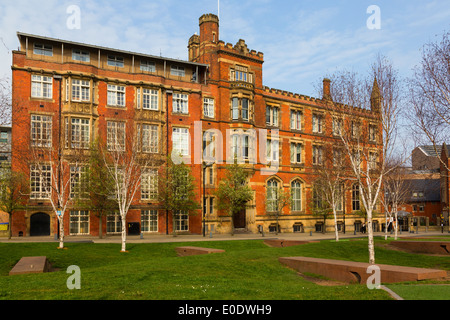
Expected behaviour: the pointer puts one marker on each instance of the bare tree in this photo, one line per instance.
(366, 109)
(5, 101)
(126, 165)
(429, 95)
(277, 198)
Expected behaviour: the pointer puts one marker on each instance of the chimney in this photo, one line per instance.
(326, 89)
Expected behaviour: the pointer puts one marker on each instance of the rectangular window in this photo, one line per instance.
(296, 120)
(317, 154)
(43, 49)
(40, 181)
(208, 107)
(148, 66)
(149, 220)
(116, 96)
(149, 185)
(79, 222)
(79, 182)
(373, 160)
(180, 140)
(149, 99)
(372, 133)
(272, 150)
(317, 123)
(272, 116)
(181, 221)
(80, 90)
(149, 138)
(80, 55)
(296, 153)
(41, 131)
(337, 126)
(113, 223)
(80, 133)
(244, 109)
(180, 103)
(41, 86)
(115, 61)
(177, 71)
(115, 139)
(235, 108)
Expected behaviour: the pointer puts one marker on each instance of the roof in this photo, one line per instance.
(22, 34)
(431, 150)
(424, 190)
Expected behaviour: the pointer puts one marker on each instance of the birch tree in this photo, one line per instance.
(126, 163)
(368, 110)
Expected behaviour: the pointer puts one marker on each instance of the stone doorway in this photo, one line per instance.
(239, 219)
(40, 224)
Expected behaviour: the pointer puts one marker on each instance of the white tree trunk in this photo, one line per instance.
(124, 234)
(370, 238)
(61, 231)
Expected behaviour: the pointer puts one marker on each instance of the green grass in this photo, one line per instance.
(248, 269)
(422, 292)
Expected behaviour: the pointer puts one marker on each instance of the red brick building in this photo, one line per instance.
(66, 94)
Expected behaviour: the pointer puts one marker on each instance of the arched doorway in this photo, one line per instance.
(40, 224)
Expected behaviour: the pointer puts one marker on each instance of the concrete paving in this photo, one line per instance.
(161, 238)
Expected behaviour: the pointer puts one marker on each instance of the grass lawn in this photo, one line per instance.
(248, 269)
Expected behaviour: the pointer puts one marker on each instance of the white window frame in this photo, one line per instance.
(272, 113)
(78, 182)
(317, 123)
(81, 90)
(296, 152)
(296, 195)
(147, 66)
(181, 221)
(149, 185)
(272, 150)
(296, 119)
(80, 131)
(208, 107)
(41, 130)
(150, 99)
(40, 181)
(116, 95)
(148, 138)
(180, 141)
(116, 134)
(317, 154)
(41, 86)
(180, 103)
(113, 223)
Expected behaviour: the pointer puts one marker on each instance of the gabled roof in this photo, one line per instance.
(426, 190)
(431, 150)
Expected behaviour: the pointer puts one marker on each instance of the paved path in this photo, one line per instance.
(158, 238)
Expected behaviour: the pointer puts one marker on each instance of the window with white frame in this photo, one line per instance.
(242, 146)
(372, 133)
(79, 182)
(79, 222)
(80, 55)
(244, 108)
(40, 181)
(272, 150)
(337, 126)
(373, 160)
(150, 99)
(209, 145)
(149, 220)
(317, 123)
(43, 49)
(180, 141)
(240, 109)
(272, 116)
(296, 195)
(235, 108)
(148, 138)
(80, 133)
(239, 73)
(115, 137)
(116, 96)
(338, 156)
(149, 184)
(177, 71)
(41, 86)
(180, 103)
(115, 61)
(296, 152)
(147, 66)
(355, 198)
(296, 119)
(181, 220)
(80, 90)
(208, 107)
(317, 154)
(41, 130)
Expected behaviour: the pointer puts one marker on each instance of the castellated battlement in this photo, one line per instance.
(240, 48)
(208, 17)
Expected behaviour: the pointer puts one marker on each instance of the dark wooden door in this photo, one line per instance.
(239, 219)
(40, 224)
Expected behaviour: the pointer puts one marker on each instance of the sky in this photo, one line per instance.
(303, 41)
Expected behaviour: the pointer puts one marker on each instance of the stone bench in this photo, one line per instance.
(31, 265)
(356, 272)
(191, 251)
(280, 243)
(434, 247)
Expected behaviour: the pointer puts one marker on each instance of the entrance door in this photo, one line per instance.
(40, 224)
(239, 219)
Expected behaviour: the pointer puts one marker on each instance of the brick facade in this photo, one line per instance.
(231, 76)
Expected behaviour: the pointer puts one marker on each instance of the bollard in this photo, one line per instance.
(310, 233)
(210, 234)
(142, 235)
